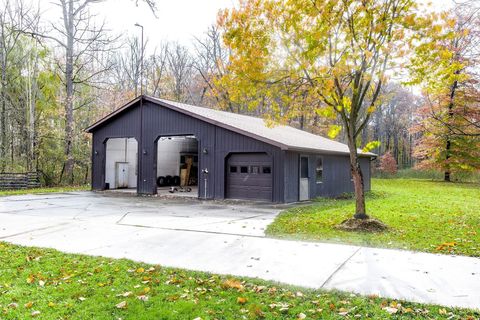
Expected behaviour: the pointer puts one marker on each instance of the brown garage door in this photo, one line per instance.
(249, 176)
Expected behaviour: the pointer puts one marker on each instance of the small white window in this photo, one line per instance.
(319, 170)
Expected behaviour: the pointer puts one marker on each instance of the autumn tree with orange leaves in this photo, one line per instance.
(446, 65)
(332, 56)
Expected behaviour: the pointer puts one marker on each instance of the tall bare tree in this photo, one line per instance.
(156, 71)
(180, 68)
(82, 42)
(211, 62)
(14, 17)
(127, 65)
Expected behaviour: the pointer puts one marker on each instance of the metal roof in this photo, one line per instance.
(285, 137)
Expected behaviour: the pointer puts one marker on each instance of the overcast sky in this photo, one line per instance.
(178, 20)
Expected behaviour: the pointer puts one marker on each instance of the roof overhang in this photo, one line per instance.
(330, 152)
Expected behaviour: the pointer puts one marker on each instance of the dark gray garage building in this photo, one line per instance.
(234, 156)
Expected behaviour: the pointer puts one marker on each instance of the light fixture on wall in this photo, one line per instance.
(205, 151)
(144, 152)
(96, 152)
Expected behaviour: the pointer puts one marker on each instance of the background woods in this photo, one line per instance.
(57, 77)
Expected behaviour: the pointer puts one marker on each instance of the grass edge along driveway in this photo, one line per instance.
(47, 284)
(17, 192)
(423, 215)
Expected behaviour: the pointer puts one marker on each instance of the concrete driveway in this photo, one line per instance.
(48, 211)
(228, 238)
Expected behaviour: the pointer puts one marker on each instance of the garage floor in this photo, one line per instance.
(228, 238)
(163, 192)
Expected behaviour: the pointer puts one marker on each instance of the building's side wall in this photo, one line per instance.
(336, 175)
(366, 167)
(291, 171)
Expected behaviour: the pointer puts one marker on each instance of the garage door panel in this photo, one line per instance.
(249, 181)
(249, 193)
(250, 178)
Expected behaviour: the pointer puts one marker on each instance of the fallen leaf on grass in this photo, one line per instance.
(391, 310)
(28, 305)
(13, 305)
(343, 312)
(142, 298)
(301, 316)
(258, 289)
(82, 298)
(30, 279)
(121, 305)
(242, 300)
(232, 284)
(125, 294)
(446, 245)
(35, 313)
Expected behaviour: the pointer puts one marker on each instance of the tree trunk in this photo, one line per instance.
(3, 115)
(395, 147)
(448, 144)
(68, 170)
(446, 176)
(357, 176)
(31, 97)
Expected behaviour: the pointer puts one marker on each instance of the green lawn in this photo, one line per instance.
(47, 284)
(43, 190)
(422, 215)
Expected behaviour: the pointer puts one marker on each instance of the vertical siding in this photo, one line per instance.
(291, 176)
(366, 167)
(336, 175)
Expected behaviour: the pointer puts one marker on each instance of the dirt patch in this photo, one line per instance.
(362, 225)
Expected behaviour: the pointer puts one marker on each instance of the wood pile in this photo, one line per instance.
(12, 181)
